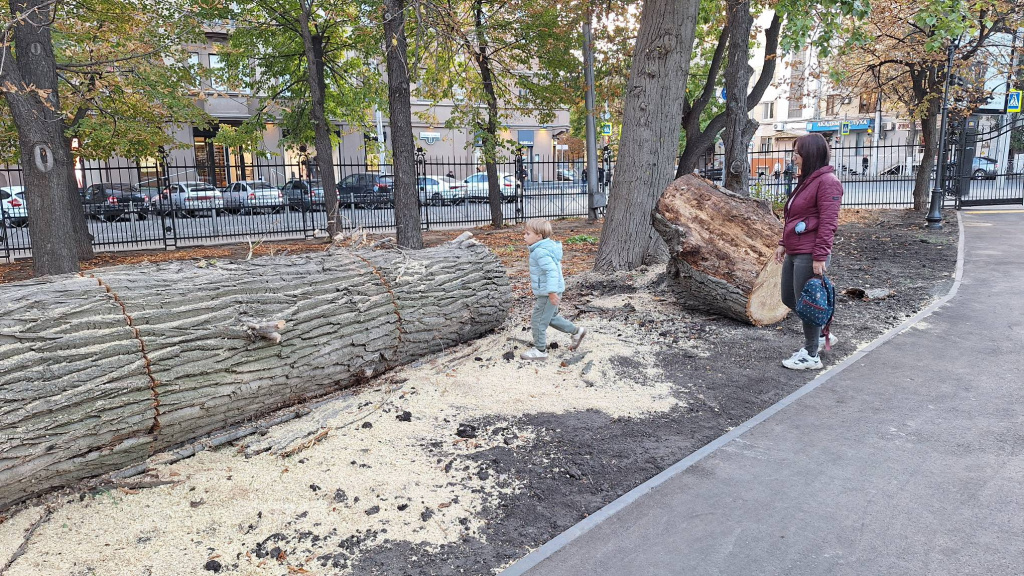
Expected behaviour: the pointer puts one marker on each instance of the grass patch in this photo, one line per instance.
(581, 239)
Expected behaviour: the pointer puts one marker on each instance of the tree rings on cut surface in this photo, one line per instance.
(721, 248)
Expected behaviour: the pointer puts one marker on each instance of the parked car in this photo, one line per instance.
(713, 173)
(252, 195)
(565, 174)
(477, 188)
(366, 190)
(189, 199)
(984, 168)
(15, 209)
(440, 190)
(304, 195)
(114, 201)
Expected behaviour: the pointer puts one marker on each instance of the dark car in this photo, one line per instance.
(366, 190)
(712, 173)
(114, 201)
(303, 195)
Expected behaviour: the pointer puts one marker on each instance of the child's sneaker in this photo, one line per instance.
(577, 338)
(801, 360)
(534, 354)
(831, 342)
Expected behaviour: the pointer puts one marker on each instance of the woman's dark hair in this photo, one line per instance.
(813, 149)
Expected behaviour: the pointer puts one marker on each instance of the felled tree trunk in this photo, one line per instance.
(100, 370)
(721, 247)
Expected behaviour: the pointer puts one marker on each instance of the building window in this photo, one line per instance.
(766, 144)
(193, 64)
(796, 107)
(767, 110)
(832, 105)
(868, 101)
(216, 68)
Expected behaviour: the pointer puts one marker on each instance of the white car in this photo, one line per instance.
(440, 190)
(15, 209)
(478, 190)
(189, 199)
(252, 195)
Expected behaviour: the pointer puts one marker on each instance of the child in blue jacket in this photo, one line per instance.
(548, 284)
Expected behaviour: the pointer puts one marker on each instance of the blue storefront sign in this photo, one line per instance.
(837, 125)
(525, 137)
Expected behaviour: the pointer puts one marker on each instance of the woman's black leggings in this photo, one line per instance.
(797, 269)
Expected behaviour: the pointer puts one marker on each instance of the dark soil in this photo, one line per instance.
(582, 461)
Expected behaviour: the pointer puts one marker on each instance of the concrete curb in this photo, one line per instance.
(534, 558)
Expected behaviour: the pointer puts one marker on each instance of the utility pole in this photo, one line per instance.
(588, 72)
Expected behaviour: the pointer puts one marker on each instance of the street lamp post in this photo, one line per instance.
(934, 217)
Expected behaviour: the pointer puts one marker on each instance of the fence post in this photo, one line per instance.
(520, 191)
(421, 172)
(164, 182)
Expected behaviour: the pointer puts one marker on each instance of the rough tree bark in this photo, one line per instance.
(407, 206)
(313, 45)
(722, 248)
(100, 370)
(650, 133)
(739, 128)
(698, 141)
(28, 80)
(490, 144)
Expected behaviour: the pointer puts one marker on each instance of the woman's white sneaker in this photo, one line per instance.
(534, 354)
(801, 360)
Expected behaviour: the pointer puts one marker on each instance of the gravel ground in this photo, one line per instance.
(473, 459)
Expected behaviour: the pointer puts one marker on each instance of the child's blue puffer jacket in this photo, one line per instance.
(546, 267)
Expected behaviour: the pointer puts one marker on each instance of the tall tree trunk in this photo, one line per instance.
(29, 84)
(650, 134)
(407, 209)
(930, 133)
(739, 128)
(491, 139)
(699, 142)
(314, 49)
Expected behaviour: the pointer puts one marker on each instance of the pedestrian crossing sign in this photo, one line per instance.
(845, 131)
(1013, 101)
(606, 129)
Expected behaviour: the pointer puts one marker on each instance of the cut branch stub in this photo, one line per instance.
(99, 372)
(721, 246)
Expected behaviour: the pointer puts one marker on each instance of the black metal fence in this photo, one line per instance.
(157, 204)
(881, 177)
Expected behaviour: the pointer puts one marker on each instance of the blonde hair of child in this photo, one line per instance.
(541, 227)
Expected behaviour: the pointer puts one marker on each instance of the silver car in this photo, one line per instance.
(189, 199)
(12, 202)
(440, 190)
(252, 195)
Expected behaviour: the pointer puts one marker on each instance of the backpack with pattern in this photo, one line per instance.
(817, 304)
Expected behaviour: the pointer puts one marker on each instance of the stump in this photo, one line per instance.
(721, 248)
(100, 370)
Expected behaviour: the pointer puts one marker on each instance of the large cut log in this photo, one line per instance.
(100, 370)
(721, 249)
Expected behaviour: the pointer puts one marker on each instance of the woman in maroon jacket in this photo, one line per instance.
(812, 216)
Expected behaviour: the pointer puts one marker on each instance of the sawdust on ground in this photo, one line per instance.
(373, 476)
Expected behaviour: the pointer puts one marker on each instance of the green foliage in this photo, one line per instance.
(265, 56)
(122, 79)
(532, 72)
(581, 239)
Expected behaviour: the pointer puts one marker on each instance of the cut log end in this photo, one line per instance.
(764, 305)
(721, 247)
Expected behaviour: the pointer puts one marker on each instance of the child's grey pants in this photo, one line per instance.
(797, 269)
(546, 314)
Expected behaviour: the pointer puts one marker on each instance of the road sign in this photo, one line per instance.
(845, 129)
(723, 94)
(1013, 98)
(606, 129)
